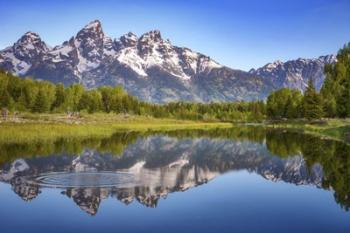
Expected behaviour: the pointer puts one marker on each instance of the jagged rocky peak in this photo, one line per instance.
(93, 28)
(295, 73)
(127, 40)
(328, 59)
(29, 46)
(152, 43)
(151, 68)
(292, 64)
(29, 38)
(89, 40)
(109, 46)
(269, 67)
(151, 36)
(273, 65)
(19, 58)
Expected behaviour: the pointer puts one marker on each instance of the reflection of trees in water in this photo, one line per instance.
(116, 143)
(333, 156)
(283, 144)
(336, 163)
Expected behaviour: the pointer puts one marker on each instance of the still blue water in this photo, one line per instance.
(174, 184)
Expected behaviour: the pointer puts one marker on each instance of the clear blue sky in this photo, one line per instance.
(240, 34)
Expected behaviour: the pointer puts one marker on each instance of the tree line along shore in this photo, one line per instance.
(29, 100)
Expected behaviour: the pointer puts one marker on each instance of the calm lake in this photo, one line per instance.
(246, 179)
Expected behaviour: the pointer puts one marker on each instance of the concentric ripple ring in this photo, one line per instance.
(82, 179)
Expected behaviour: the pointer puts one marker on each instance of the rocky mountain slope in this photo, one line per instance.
(295, 73)
(151, 68)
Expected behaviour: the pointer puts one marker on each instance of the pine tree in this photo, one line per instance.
(5, 99)
(343, 100)
(312, 103)
(284, 103)
(107, 98)
(59, 96)
(336, 85)
(41, 103)
(91, 101)
(329, 106)
(77, 91)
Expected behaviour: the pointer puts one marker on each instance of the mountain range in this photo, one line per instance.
(151, 68)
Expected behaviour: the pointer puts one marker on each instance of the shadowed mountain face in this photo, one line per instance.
(146, 168)
(151, 68)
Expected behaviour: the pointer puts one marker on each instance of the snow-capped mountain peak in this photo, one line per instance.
(23, 54)
(328, 59)
(29, 38)
(93, 30)
(91, 48)
(273, 65)
(151, 36)
(295, 73)
(151, 68)
(127, 40)
(94, 25)
(89, 40)
(29, 45)
(152, 51)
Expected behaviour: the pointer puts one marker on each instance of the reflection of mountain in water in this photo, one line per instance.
(150, 169)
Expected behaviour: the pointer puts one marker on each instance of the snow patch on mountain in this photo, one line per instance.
(295, 74)
(151, 68)
(90, 48)
(129, 57)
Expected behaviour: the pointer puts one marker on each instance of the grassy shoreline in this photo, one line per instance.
(334, 129)
(30, 127)
(49, 127)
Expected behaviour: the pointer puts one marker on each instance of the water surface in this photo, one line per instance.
(245, 179)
